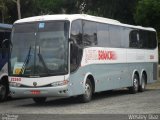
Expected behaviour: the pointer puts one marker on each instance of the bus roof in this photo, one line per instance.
(72, 17)
(5, 26)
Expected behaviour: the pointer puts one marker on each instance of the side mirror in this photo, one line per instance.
(72, 41)
(5, 43)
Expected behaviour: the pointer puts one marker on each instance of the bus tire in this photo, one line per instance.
(87, 96)
(134, 88)
(142, 87)
(39, 100)
(3, 92)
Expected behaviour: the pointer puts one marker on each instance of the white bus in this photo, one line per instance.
(78, 55)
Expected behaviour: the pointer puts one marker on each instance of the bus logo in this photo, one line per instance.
(34, 84)
(106, 55)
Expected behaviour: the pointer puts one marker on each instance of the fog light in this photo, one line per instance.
(14, 84)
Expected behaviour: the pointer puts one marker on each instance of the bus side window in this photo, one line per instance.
(133, 39)
(103, 35)
(1, 41)
(5, 45)
(142, 39)
(89, 33)
(152, 42)
(125, 37)
(76, 46)
(76, 32)
(115, 36)
(6, 40)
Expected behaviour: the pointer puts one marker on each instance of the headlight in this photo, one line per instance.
(60, 83)
(14, 84)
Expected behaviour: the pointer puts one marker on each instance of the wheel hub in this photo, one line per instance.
(136, 84)
(87, 90)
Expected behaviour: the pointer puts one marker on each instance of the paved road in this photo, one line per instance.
(113, 102)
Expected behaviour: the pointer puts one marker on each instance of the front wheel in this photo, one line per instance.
(87, 96)
(3, 92)
(39, 100)
(134, 88)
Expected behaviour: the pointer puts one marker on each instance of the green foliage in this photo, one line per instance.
(148, 13)
(3, 10)
(49, 6)
(121, 10)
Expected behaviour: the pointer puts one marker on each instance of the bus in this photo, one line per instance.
(79, 55)
(5, 31)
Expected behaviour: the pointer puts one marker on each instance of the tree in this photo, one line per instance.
(50, 6)
(121, 10)
(3, 9)
(18, 8)
(148, 14)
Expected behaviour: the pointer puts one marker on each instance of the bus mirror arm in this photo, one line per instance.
(6, 43)
(72, 41)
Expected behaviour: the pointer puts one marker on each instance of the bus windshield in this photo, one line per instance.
(39, 49)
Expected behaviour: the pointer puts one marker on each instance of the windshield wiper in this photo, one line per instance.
(26, 61)
(42, 61)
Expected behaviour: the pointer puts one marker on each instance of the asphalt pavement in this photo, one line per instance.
(118, 102)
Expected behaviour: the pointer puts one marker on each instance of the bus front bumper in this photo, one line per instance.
(20, 92)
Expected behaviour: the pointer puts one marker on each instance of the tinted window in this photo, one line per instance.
(4, 35)
(103, 35)
(125, 37)
(29, 28)
(76, 31)
(152, 41)
(4, 45)
(134, 39)
(143, 39)
(76, 47)
(115, 35)
(1, 38)
(89, 33)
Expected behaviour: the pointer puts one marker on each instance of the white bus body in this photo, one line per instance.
(105, 52)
